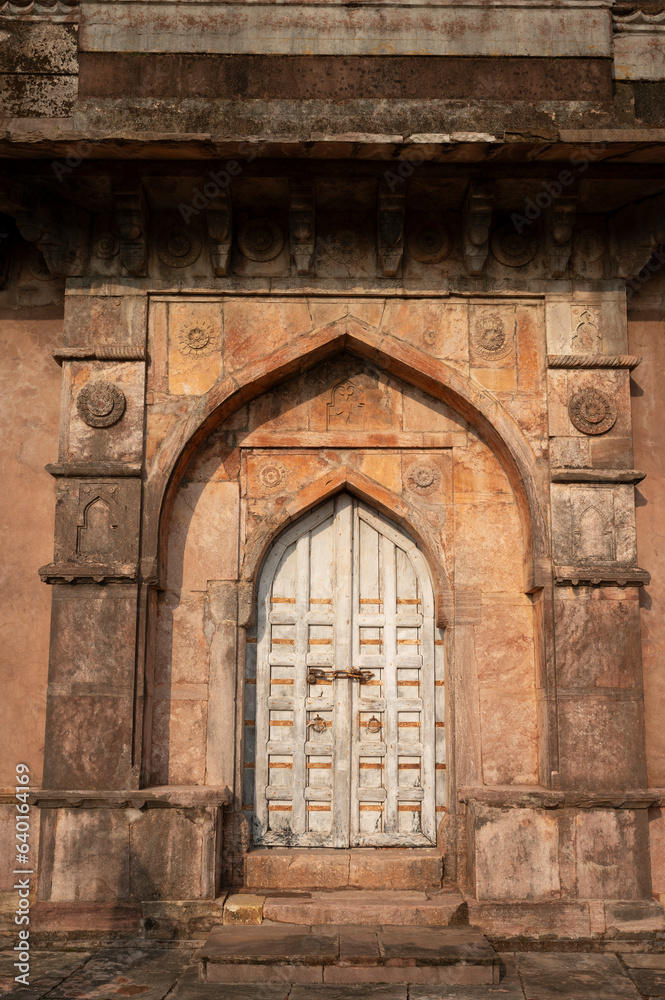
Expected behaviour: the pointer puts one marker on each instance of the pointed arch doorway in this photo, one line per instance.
(346, 685)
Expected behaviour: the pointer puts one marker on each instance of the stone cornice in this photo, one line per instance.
(527, 797)
(597, 475)
(89, 573)
(594, 576)
(629, 361)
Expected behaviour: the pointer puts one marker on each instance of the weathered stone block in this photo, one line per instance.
(90, 856)
(601, 741)
(612, 853)
(515, 853)
(94, 321)
(598, 644)
(279, 868)
(166, 853)
(396, 869)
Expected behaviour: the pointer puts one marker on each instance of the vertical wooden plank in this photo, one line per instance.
(391, 736)
(300, 689)
(341, 733)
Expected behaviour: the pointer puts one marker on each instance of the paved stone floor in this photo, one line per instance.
(155, 972)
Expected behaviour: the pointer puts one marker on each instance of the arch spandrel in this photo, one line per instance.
(465, 397)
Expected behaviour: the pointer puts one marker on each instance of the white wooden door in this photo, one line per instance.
(345, 707)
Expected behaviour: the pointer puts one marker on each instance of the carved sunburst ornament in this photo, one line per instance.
(592, 412)
(490, 337)
(423, 478)
(194, 339)
(272, 476)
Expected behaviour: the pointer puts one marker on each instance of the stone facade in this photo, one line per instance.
(457, 325)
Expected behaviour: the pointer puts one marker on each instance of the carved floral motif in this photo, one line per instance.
(100, 404)
(592, 412)
(194, 339)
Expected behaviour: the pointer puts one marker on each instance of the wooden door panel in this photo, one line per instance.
(342, 761)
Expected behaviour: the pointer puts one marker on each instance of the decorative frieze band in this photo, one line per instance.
(594, 576)
(99, 354)
(629, 361)
(597, 475)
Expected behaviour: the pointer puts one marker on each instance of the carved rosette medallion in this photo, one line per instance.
(490, 337)
(272, 477)
(194, 339)
(178, 246)
(346, 246)
(105, 246)
(422, 478)
(100, 404)
(589, 245)
(430, 243)
(592, 412)
(260, 239)
(512, 248)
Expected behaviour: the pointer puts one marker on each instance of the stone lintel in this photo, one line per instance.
(629, 361)
(597, 475)
(511, 797)
(93, 470)
(594, 576)
(161, 796)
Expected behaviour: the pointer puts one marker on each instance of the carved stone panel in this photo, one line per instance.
(97, 525)
(593, 525)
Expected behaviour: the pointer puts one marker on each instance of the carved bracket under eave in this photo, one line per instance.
(219, 223)
(476, 225)
(60, 230)
(131, 219)
(390, 227)
(302, 225)
(560, 222)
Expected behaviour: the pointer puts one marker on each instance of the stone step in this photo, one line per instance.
(329, 868)
(345, 955)
(352, 906)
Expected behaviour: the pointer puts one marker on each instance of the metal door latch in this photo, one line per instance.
(315, 674)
